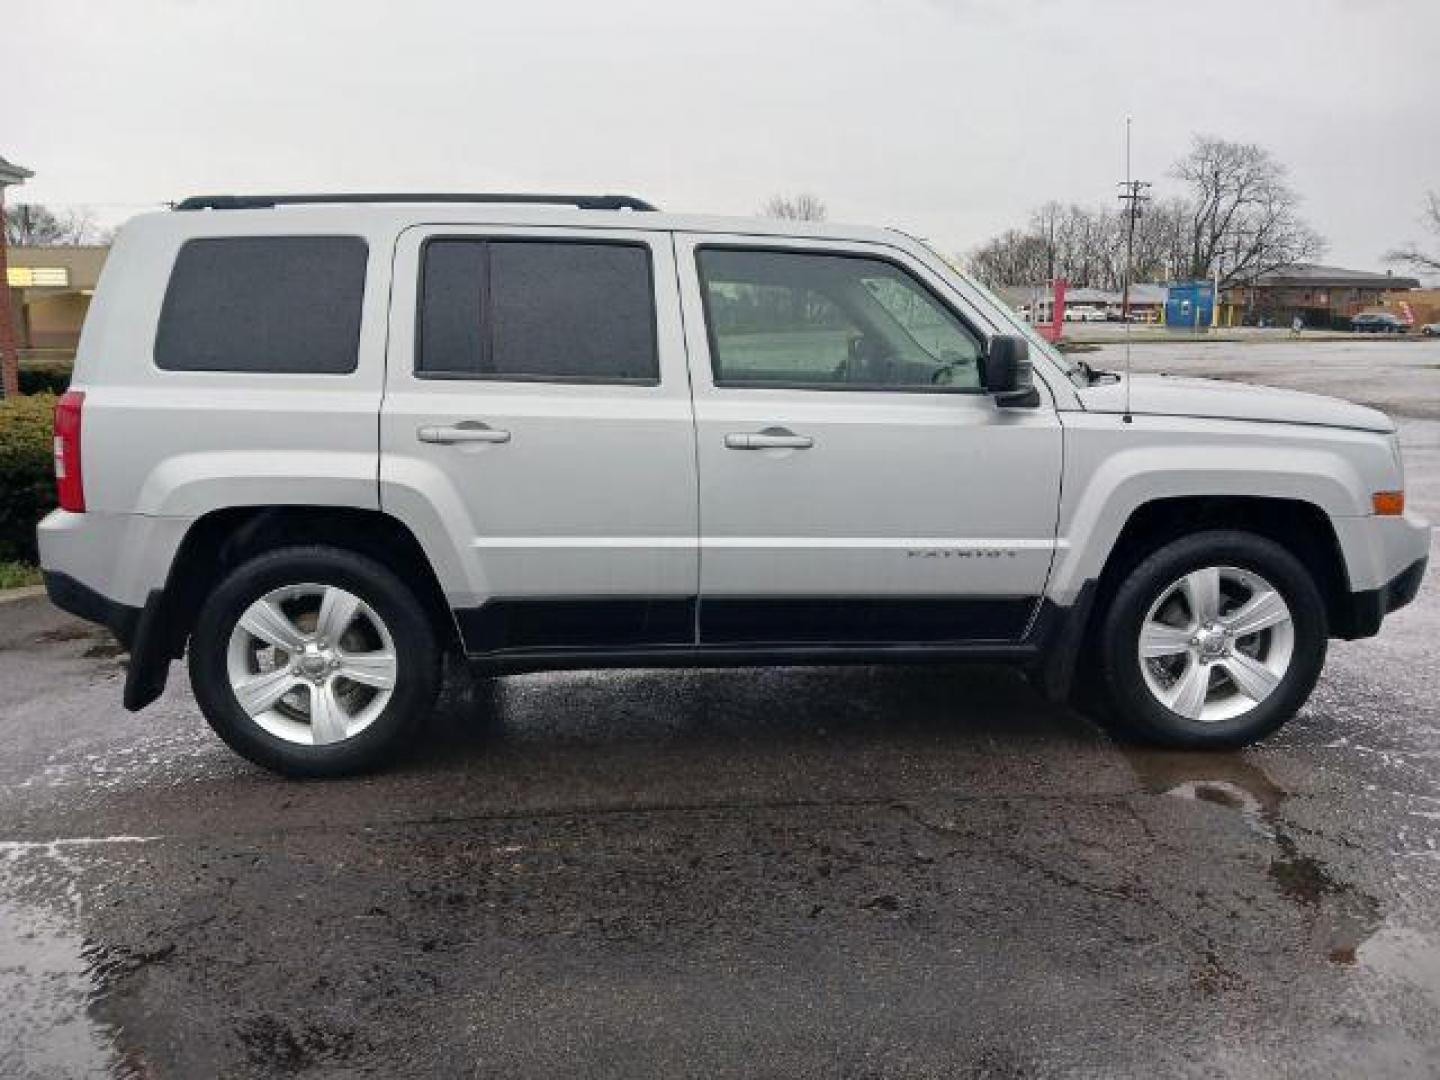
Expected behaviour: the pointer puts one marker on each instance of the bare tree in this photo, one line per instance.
(1410, 255)
(801, 206)
(1238, 216)
(1012, 258)
(33, 225)
(1081, 244)
(1243, 217)
(1161, 247)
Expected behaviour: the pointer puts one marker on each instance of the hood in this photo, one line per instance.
(1166, 395)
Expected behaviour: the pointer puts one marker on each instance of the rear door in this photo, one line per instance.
(857, 486)
(537, 433)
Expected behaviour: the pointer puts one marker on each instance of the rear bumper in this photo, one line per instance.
(111, 569)
(144, 631)
(79, 599)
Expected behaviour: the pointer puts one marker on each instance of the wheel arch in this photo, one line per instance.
(223, 539)
(1301, 527)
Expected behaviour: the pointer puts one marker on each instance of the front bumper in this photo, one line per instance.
(1385, 560)
(1362, 612)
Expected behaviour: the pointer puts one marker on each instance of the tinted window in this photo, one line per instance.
(563, 311)
(287, 304)
(830, 322)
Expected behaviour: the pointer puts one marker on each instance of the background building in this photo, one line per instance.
(1323, 296)
(49, 290)
(1422, 306)
(1034, 301)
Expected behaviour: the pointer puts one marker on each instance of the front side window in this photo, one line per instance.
(537, 311)
(840, 322)
(273, 304)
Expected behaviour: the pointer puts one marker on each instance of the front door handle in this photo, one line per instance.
(769, 439)
(467, 431)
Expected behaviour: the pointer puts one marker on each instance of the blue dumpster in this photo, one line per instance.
(1190, 305)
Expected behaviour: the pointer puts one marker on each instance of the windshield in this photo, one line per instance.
(1070, 367)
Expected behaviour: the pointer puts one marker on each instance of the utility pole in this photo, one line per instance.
(9, 357)
(1132, 194)
(1050, 246)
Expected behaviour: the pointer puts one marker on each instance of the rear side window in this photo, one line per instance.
(274, 304)
(538, 311)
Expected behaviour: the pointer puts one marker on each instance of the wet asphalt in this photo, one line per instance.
(810, 872)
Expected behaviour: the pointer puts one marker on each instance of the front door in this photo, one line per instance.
(536, 434)
(857, 486)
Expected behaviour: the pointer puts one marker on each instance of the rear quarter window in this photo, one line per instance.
(272, 304)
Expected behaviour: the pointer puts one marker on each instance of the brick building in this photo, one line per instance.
(1324, 296)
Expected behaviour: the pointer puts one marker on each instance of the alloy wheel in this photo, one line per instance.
(1216, 643)
(311, 664)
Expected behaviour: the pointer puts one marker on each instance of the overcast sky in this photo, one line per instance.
(949, 118)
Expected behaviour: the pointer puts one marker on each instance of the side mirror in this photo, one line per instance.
(1005, 372)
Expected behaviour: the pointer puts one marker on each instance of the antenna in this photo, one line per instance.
(1132, 194)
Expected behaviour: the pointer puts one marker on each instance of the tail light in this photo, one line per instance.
(69, 481)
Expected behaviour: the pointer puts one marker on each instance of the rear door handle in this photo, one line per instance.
(769, 439)
(467, 431)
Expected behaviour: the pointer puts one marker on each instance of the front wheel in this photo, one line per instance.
(314, 661)
(1215, 640)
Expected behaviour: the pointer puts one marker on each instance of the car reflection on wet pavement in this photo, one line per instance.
(809, 872)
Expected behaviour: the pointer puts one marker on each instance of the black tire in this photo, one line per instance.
(417, 661)
(1135, 712)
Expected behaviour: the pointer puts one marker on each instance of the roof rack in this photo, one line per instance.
(265, 202)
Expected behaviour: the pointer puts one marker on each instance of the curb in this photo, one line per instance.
(27, 592)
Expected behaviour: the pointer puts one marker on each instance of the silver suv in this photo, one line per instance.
(321, 441)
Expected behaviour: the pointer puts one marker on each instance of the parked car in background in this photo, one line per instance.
(1378, 322)
(1431, 329)
(316, 448)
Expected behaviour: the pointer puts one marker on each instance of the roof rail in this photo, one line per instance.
(265, 202)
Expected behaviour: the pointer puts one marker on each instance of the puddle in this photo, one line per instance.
(49, 980)
(1339, 918)
(53, 980)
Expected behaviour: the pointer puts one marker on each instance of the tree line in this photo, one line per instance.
(34, 225)
(1230, 211)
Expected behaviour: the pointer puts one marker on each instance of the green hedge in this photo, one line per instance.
(44, 378)
(27, 472)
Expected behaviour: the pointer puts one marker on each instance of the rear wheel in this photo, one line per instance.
(314, 661)
(1215, 640)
